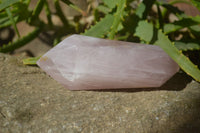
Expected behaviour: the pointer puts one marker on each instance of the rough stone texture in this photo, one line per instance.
(32, 102)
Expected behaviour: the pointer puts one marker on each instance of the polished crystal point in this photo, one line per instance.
(88, 63)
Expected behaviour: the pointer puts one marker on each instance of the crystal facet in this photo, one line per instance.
(88, 63)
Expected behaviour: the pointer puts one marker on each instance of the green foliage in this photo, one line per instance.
(48, 13)
(12, 20)
(19, 13)
(184, 46)
(103, 9)
(196, 3)
(118, 18)
(126, 20)
(31, 61)
(36, 12)
(110, 3)
(21, 42)
(110, 22)
(73, 6)
(101, 28)
(180, 24)
(144, 8)
(6, 3)
(160, 39)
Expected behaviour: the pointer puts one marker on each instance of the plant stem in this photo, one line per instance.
(37, 11)
(21, 42)
(48, 13)
(12, 20)
(60, 13)
(74, 7)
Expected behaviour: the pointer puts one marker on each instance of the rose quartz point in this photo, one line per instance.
(88, 63)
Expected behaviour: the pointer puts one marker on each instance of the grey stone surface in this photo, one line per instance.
(32, 102)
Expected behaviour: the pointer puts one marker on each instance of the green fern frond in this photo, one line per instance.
(186, 46)
(184, 22)
(6, 3)
(110, 3)
(101, 28)
(118, 17)
(163, 41)
(12, 21)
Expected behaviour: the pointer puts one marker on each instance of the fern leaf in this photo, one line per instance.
(12, 21)
(144, 8)
(19, 12)
(118, 18)
(6, 3)
(169, 48)
(101, 28)
(186, 46)
(103, 9)
(174, 10)
(110, 3)
(5, 21)
(195, 29)
(146, 33)
(177, 25)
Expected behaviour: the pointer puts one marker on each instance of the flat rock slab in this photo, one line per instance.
(32, 102)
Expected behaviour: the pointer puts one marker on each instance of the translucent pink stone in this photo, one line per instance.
(88, 63)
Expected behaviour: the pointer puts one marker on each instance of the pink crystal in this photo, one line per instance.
(88, 63)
